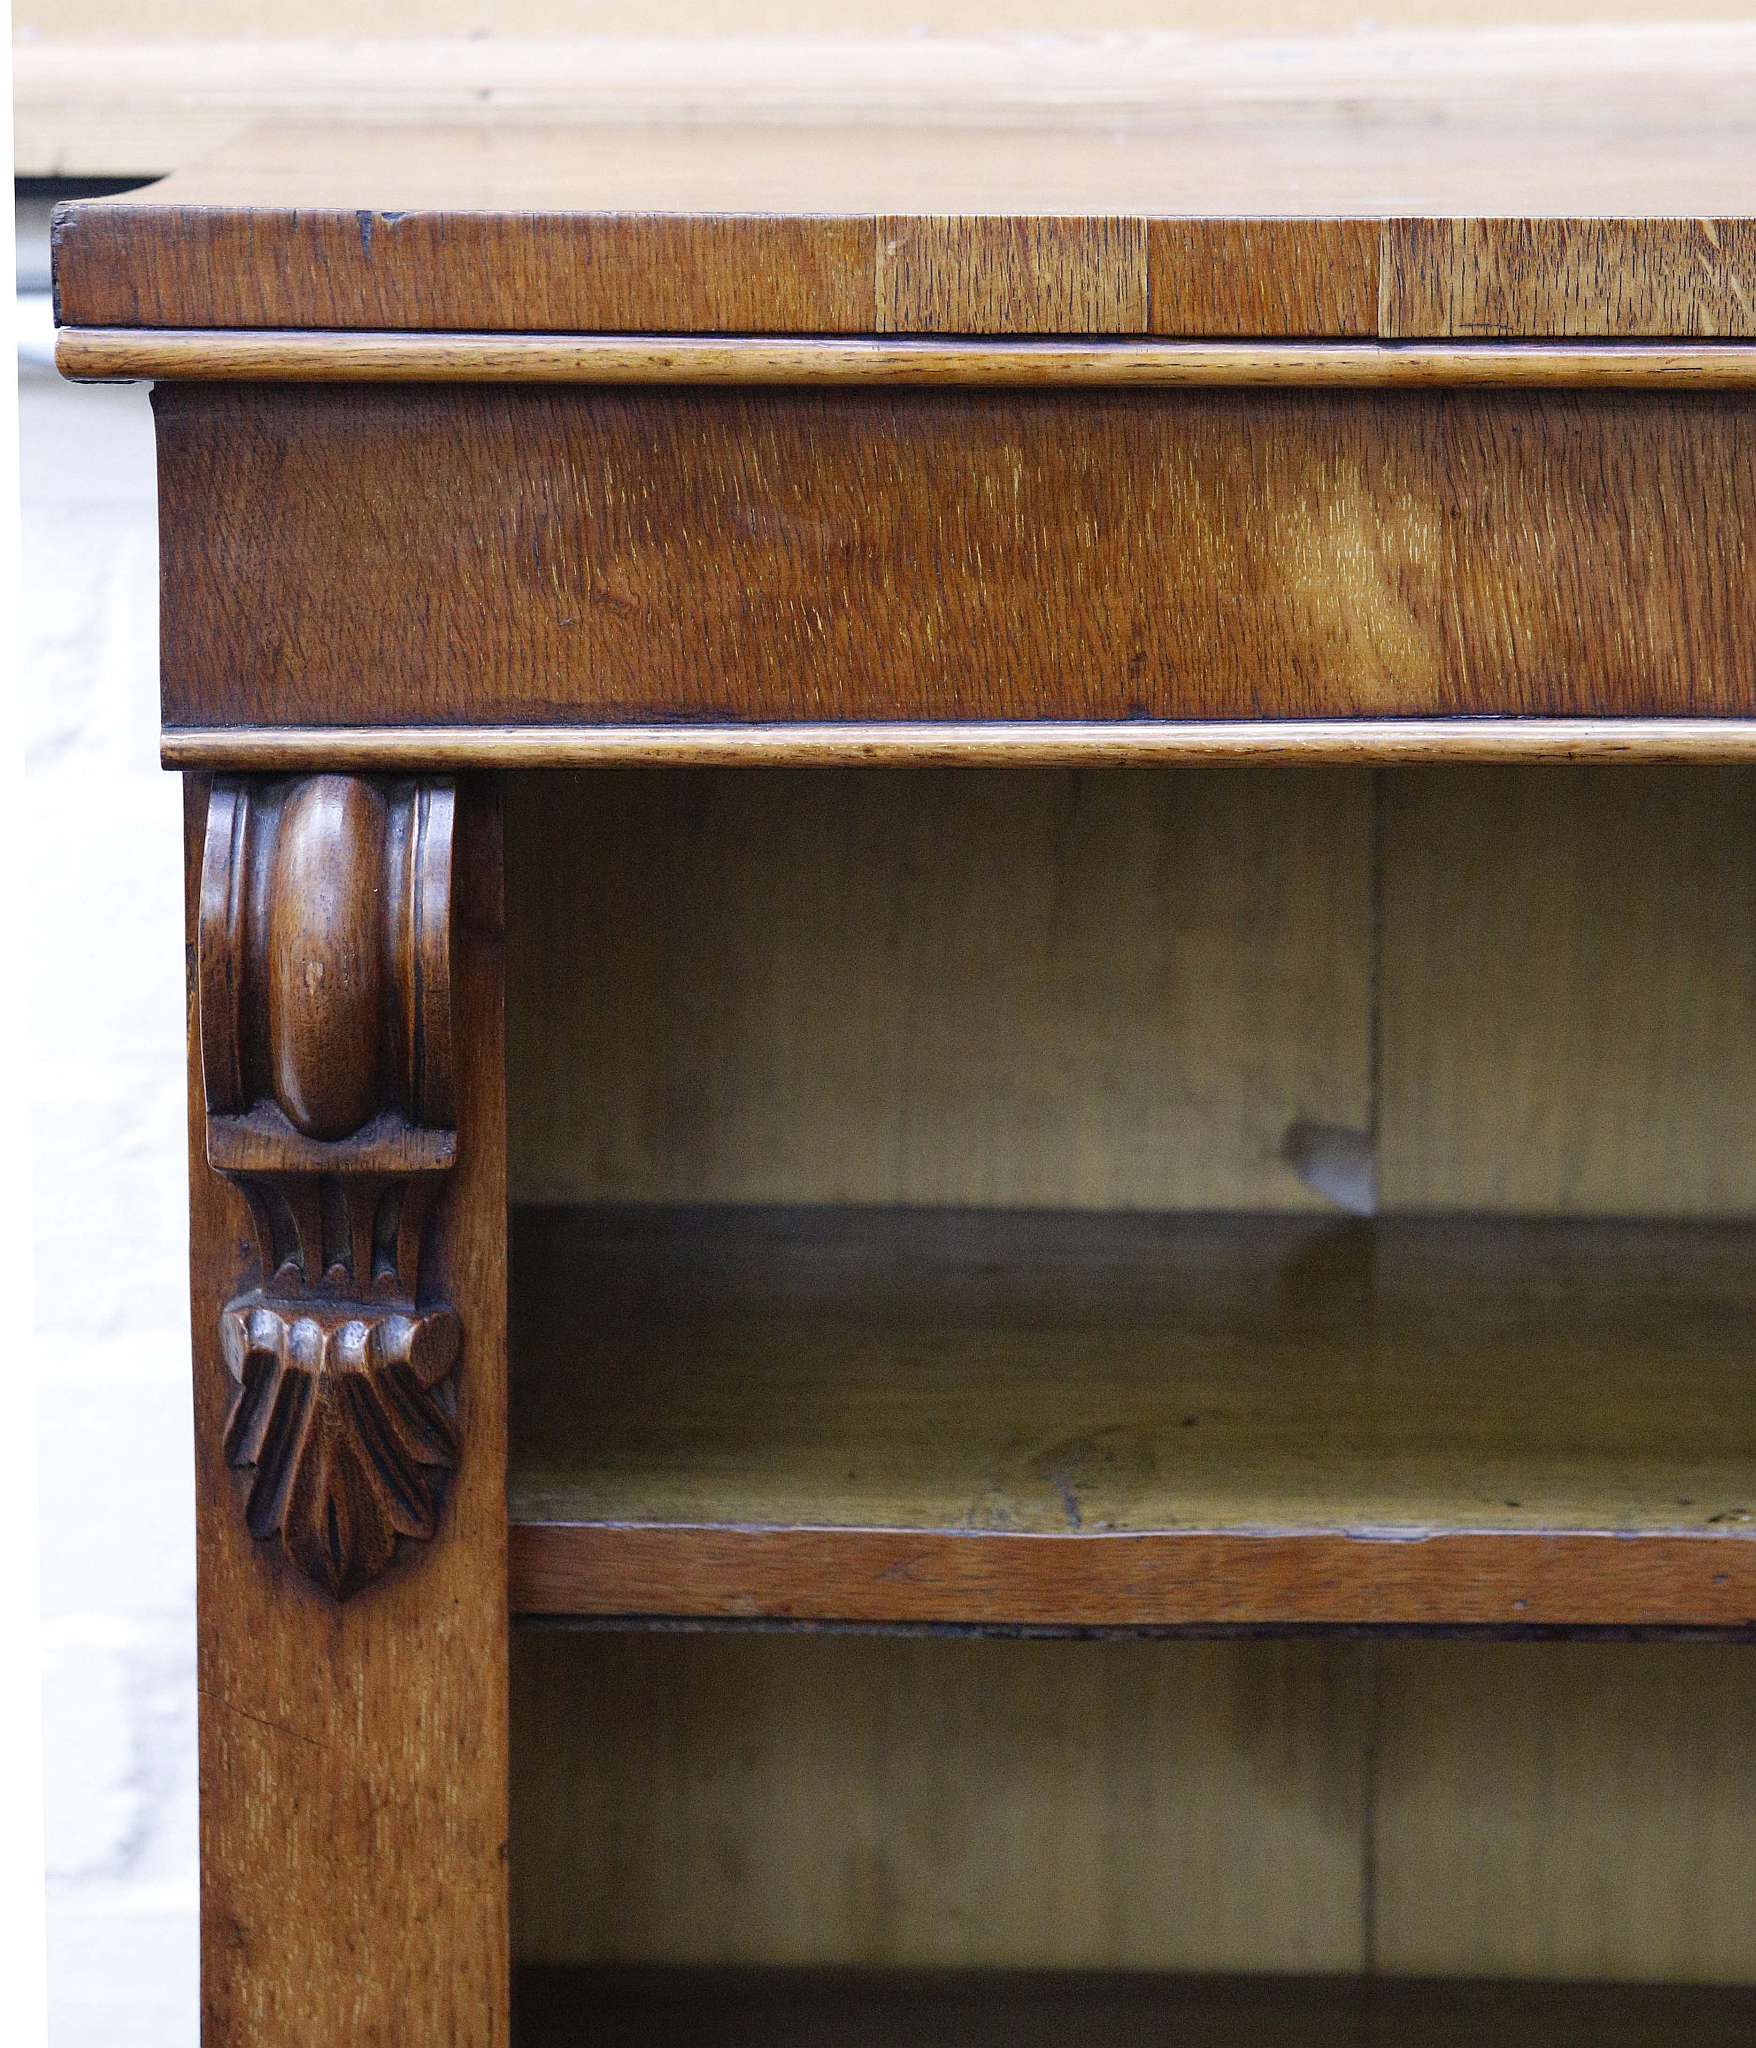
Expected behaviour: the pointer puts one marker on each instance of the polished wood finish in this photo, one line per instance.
(99, 354)
(609, 557)
(353, 1756)
(996, 743)
(1322, 432)
(1504, 277)
(1169, 1580)
(1263, 278)
(975, 274)
(1619, 211)
(327, 1058)
(562, 2007)
(1130, 1421)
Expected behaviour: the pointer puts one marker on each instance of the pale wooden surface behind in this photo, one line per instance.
(1566, 1810)
(1536, 1809)
(1065, 989)
(1564, 981)
(1572, 1811)
(756, 1799)
(1567, 983)
(1040, 989)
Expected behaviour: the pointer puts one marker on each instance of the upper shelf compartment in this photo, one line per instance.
(846, 1011)
(1090, 1420)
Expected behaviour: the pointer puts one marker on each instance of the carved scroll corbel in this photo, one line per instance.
(325, 994)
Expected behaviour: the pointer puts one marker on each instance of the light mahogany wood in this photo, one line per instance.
(99, 354)
(962, 274)
(354, 1755)
(607, 557)
(1409, 993)
(1585, 212)
(1490, 277)
(1263, 277)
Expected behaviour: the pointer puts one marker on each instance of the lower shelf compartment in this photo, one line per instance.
(583, 2008)
(894, 1417)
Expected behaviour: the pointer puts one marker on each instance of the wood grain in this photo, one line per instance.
(326, 1041)
(1050, 1373)
(1196, 1420)
(1021, 989)
(395, 269)
(353, 1758)
(675, 2008)
(1167, 1580)
(1552, 277)
(936, 1803)
(996, 743)
(382, 556)
(1032, 221)
(974, 275)
(1569, 1810)
(101, 354)
(1263, 278)
(1536, 933)
(1568, 971)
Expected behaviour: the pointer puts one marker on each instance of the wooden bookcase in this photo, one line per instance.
(915, 1229)
(973, 1111)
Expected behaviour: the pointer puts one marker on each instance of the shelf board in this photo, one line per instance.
(907, 1417)
(561, 2007)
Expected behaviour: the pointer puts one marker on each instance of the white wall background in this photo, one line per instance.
(113, 1401)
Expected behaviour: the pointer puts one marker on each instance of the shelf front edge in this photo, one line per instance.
(1318, 742)
(1166, 1579)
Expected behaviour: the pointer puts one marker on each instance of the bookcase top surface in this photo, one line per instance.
(1411, 206)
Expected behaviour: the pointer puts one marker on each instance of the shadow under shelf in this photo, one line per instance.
(557, 2007)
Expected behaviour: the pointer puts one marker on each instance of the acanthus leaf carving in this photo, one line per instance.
(326, 1046)
(336, 1418)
